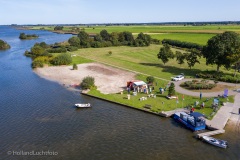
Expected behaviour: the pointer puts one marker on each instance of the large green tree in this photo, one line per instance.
(221, 49)
(180, 57)
(143, 39)
(105, 35)
(165, 53)
(84, 39)
(171, 89)
(98, 38)
(74, 41)
(126, 38)
(114, 38)
(192, 57)
(37, 50)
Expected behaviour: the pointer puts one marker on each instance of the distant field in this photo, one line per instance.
(155, 29)
(187, 37)
(194, 34)
(142, 59)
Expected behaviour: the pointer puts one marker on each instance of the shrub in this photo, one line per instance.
(110, 52)
(36, 64)
(96, 44)
(62, 59)
(181, 44)
(171, 89)
(58, 28)
(74, 41)
(40, 61)
(75, 67)
(150, 79)
(198, 85)
(88, 83)
(4, 45)
(194, 81)
(27, 36)
(71, 48)
(57, 49)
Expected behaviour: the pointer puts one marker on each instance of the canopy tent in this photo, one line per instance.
(139, 83)
(136, 83)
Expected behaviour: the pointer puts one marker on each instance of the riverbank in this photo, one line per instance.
(110, 80)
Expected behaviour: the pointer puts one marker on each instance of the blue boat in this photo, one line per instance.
(195, 121)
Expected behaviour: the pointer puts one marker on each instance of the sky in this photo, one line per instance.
(116, 11)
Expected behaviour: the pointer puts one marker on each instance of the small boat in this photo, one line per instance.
(79, 105)
(215, 142)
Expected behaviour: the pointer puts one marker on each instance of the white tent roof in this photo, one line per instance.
(139, 83)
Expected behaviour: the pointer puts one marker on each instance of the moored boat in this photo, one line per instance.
(195, 121)
(215, 142)
(80, 105)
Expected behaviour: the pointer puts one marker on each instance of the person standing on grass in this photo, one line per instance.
(192, 110)
(203, 104)
(200, 95)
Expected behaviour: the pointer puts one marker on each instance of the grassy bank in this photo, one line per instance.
(144, 60)
(161, 103)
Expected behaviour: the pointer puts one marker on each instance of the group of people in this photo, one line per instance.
(141, 89)
(196, 103)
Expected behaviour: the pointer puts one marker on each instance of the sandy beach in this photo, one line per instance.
(107, 79)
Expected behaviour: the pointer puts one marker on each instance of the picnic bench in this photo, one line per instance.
(147, 106)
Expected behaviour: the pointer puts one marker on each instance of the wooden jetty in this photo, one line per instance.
(170, 113)
(210, 133)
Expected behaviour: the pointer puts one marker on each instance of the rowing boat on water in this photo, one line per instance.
(80, 105)
(215, 142)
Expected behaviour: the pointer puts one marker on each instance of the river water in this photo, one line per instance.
(37, 115)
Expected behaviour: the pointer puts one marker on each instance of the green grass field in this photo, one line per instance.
(80, 60)
(194, 34)
(187, 37)
(155, 28)
(142, 59)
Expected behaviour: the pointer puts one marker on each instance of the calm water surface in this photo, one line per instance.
(38, 115)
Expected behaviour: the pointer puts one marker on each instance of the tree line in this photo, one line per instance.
(42, 53)
(105, 39)
(56, 28)
(182, 44)
(221, 50)
(27, 36)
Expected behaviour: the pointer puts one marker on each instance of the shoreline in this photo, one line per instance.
(108, 80)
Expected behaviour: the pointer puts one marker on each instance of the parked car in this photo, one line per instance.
(178, 78)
